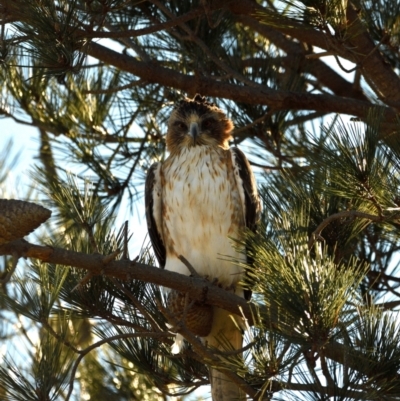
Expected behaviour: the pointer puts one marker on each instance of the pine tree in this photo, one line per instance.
(81, 318)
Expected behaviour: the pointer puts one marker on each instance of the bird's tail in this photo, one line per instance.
(225, 336)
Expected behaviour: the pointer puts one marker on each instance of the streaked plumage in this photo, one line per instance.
(199, 200)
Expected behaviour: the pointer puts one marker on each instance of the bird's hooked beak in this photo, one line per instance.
(194, 131)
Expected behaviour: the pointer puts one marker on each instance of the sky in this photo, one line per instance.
(24, 141)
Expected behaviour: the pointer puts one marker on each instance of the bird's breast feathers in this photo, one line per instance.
(201, 210)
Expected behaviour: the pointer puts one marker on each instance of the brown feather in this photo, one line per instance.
(252, 200)
(216, 127)
(154, 231)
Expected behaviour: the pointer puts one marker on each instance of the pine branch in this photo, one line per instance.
(278, 99)
(85, 351)
(386, 82)
(294, 29)
(276, 386)
(118, 33)
(347, 213)
(377, 71)
(297, 58)
(200, 289)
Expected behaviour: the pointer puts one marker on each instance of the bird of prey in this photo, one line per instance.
(198, 201)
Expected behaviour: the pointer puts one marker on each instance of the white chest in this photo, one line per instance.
(202, 212)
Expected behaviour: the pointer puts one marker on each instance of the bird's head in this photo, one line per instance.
(196, 122)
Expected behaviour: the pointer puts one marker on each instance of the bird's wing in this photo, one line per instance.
(153, 203)
(247, 187)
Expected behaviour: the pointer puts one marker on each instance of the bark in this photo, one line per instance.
(154, 72)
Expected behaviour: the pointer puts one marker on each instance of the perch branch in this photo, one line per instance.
(200, 289)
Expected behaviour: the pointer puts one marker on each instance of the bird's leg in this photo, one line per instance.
(231, 287)
(215, 281)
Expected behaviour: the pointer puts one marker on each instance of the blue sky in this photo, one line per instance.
(23, 138)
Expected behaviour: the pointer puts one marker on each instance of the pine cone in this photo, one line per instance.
(19, 218)
(198, 318)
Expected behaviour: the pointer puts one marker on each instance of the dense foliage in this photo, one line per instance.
(98, 79)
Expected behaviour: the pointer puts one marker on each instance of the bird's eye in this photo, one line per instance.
(180, 125)
(207, 123)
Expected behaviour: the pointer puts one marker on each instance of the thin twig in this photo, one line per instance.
(24, 332)
(127, 41)
(117, 33)
(255, 122)
(113, 90)
(125, 252)
(191, 269)
(59, 337)
(194, 38)
(7, 278)
(347, 213)
(83, 281)
(85, 351)
(324, 367)
(318, 55)
(138, 305)
(265, 167)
